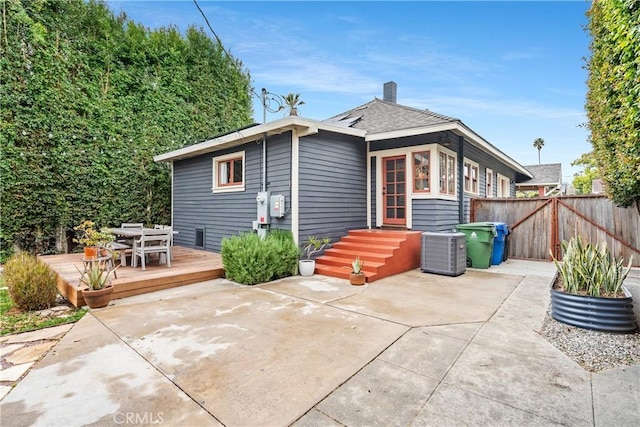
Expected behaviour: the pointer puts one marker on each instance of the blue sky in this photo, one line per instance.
(512, 71)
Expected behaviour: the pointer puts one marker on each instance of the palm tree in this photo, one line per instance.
(293, 101)
(538, 143)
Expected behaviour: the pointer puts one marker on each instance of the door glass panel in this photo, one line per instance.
(400, 213)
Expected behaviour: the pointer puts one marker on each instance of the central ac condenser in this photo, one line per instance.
(443, 253)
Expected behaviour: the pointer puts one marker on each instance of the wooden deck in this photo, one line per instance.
(187, 266)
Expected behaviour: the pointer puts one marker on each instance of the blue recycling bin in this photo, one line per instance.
(497, 253)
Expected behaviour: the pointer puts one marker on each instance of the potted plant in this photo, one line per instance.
(357, 276)
(91, 238)
(98, 284)
(589, 292)
(105, 236)
(311, 246)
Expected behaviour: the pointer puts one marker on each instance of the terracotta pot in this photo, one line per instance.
(90, 252)
(357, 279)
(99, 298)
(104, 252)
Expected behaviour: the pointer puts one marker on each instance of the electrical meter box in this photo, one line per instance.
(263, 207)
(277, 208)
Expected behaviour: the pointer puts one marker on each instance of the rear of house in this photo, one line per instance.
(379, 165)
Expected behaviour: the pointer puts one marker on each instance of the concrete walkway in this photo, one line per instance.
(413, 349)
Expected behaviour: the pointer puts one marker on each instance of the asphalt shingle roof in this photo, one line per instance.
(382, 116)
(544, 174)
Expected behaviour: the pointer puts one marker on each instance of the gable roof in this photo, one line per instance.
(386, 120)
(382, 116)
(549, 174)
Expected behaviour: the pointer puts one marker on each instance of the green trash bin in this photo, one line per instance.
(479, 238)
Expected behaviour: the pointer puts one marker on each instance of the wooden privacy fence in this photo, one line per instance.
(539, 225)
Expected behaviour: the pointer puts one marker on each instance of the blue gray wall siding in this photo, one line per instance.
(332, 177)
(442, 214)
(434, 215)
(225, 214)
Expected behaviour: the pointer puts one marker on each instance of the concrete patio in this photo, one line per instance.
(412, 349)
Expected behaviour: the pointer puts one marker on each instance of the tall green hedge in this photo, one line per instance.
(87, 98)
(613, 98)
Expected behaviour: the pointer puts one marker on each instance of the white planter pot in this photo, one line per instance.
(306, 267)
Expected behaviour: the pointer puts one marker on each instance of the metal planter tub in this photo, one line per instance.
(598, 314)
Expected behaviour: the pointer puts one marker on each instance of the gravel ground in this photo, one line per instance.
(594, 351)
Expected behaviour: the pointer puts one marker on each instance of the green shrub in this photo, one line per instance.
(250, 260)
(31, 283)
(590, 269)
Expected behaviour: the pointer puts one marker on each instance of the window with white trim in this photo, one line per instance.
(228, 173)
(504, 186)
(447, 173)
(471, 171)
(421, 166)
(489, 183)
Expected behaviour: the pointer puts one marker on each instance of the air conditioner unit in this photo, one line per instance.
(444, 253)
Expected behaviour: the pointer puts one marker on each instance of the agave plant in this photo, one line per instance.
(97, 276)
(590, 269)
(357, 265)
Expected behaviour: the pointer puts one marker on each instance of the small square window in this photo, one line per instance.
(228, 173)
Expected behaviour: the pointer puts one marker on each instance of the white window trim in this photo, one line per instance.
(216, 188)
(453, 154)
(488, 181)
(499, 182)
(477, 166)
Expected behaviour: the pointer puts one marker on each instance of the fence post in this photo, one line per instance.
(555, 245)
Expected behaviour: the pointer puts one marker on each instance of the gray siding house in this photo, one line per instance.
(378, 165)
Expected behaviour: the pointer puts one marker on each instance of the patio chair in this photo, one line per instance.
(129, 225)
(165, 227)
(152, 242)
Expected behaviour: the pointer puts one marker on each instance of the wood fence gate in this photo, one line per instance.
(537, 226)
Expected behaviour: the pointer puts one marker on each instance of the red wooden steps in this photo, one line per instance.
(384, 252)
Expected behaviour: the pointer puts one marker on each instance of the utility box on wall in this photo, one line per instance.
(277, 208)
(263, 207)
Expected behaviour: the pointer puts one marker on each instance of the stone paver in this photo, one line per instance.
(30, 353)
(55, 332)
(14, 373)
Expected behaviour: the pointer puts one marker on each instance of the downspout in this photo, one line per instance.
(461, 179)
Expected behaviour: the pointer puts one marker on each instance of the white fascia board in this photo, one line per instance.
(487, 146)
(459, 128)
(305, 127)
(440, 127)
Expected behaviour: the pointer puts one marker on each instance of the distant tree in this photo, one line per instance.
(613, 97)
(293, 101)
(538, 144)
(582, 181)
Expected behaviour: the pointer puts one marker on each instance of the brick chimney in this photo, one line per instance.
(390, 92)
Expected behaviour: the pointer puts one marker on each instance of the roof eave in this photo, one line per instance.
(460, 128)
(234, 139)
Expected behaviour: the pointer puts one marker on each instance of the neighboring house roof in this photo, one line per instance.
(549, 174)
(381, 116)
